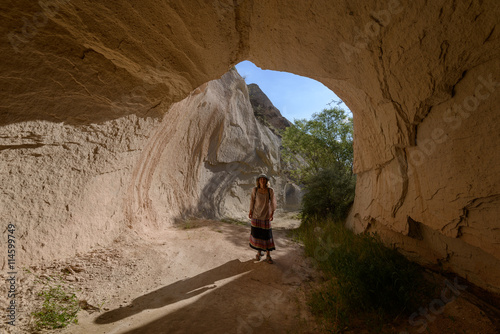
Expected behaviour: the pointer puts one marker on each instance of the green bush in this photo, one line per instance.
(364, 275)
(330, 193)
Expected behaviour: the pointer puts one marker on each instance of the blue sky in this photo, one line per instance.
(295, 96)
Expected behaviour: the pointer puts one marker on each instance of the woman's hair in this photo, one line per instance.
(257, 183)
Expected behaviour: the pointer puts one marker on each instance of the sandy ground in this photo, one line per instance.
(201, 277)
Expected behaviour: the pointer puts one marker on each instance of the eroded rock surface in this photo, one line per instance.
(68, 188)
(421, 79)
(265, 111)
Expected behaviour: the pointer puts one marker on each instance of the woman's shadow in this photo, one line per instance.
(177, 291)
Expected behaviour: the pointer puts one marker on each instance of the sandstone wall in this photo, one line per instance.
(69, 188)
(203, 158)
(428, 175)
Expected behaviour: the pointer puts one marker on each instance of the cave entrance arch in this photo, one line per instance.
(416, 77)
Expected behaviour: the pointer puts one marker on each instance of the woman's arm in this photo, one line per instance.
(252, 203)
(273, 204)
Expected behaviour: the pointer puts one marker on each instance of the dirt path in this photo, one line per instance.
(198, 278)
(203, 279)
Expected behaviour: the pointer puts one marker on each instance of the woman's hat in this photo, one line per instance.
(262, 175)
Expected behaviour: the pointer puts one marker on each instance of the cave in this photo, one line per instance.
(93, 93)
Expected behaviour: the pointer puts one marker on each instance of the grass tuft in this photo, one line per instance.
(58, 310)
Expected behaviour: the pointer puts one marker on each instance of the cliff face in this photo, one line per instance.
(421, 79)
(265, 111)
(204, 157)
(84, 185)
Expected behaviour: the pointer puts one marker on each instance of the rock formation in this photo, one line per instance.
(421, 78)
(200, 159)
(265, 111)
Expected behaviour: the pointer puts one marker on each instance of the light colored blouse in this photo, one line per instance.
(261, 205)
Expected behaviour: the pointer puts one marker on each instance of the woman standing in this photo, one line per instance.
(262, 207)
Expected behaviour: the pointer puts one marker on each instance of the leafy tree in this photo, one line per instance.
(320, 153)
(317, 144)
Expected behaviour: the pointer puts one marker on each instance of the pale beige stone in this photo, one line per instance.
(69, 188)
